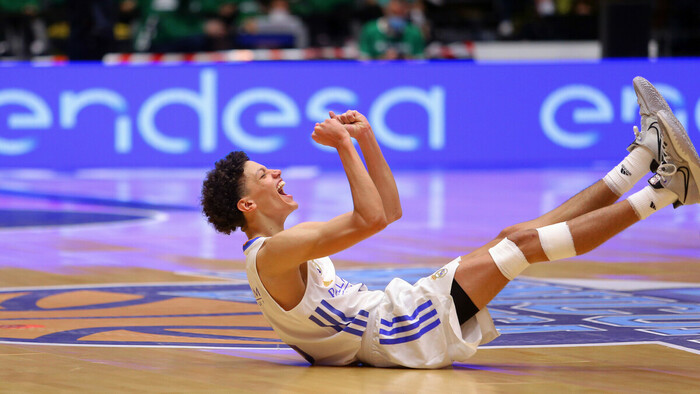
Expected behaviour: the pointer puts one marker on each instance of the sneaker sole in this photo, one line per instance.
(651, 98)
(682, 143)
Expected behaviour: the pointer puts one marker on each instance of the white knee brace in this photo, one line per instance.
(509, 259)
(556, 241)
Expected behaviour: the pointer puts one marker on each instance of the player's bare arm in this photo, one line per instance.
(359, 128)
(286, 250)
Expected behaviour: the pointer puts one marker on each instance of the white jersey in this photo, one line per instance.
(338, 323)
(326, 327)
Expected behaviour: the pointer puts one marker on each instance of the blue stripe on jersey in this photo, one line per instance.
(248, 243)
(415, 313)
(410, 327)
(328, 318)
(344, 324)
(335, 311)
(409, 338)
(315, 320)
(359, 322)
(353, 331)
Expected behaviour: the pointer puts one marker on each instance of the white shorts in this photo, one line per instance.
(417, 326)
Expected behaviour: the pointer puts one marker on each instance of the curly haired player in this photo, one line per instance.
(442, 318)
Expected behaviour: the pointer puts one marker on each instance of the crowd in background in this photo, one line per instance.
(390, 29)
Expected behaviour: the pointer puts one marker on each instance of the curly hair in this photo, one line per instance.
(221, 190)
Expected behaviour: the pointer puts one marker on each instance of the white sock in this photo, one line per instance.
(649, 200)
(631, 170)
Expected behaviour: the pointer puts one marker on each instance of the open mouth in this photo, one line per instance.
(280, 188)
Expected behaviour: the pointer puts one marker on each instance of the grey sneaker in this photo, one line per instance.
(650, 102)
(679, 170)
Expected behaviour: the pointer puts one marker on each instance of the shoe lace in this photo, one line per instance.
(637, 134)
(666, 168)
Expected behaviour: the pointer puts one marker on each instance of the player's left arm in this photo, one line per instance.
(359, 128)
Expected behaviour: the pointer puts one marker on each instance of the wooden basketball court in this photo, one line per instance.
(111, 281)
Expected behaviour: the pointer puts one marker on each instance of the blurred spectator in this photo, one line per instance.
(23, 33)
(184, 25)
(684, 28)
(547, 19)
(416, 15)
(392, 36)
(91, 28)
(278, 28)
(327, 20)
(368, 10)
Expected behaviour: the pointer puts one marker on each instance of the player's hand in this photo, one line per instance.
(354, 122)
(330, 133)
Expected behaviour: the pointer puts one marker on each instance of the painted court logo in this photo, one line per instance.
(202, 315)
(223, 315)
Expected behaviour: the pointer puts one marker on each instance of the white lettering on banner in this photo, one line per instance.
(39, 117)
(318, 106)
(287, 115)
(433, 101)
(276, 109)
(71, 103)
(629, 111)
(203, 103)
(697, 115)
(602, 112)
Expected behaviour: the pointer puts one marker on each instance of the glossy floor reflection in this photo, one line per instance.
(71, 241)
(151, 219)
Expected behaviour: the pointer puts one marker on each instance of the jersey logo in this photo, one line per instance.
(439, 274)
(318, 269)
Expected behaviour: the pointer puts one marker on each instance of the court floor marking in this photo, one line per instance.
(285, 347)
(118, 285)
(602, 284)
(146, 217)
(670, 345)
(588, 283)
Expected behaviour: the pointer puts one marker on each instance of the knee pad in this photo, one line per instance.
(509, 259)
(556, 241)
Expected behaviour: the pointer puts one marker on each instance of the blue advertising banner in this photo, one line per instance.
(425, 114)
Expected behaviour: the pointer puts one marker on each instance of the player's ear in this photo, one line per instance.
(246, 205)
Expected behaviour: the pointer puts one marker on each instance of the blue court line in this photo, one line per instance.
(98, 201)
(18, 218)
(134, 317)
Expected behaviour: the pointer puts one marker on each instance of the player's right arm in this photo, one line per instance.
(358, 127)
(286, 250)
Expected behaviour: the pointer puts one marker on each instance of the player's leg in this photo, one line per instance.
(644, 155)
(482, 275)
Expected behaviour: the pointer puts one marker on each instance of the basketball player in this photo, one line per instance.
(442, 318)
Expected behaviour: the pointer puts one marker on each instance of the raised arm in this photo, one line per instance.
(358, 127)
(288, 249)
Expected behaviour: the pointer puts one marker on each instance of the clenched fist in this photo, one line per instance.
(354, 122)
(330, 133)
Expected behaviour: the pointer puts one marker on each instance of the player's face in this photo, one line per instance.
(266, 188)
